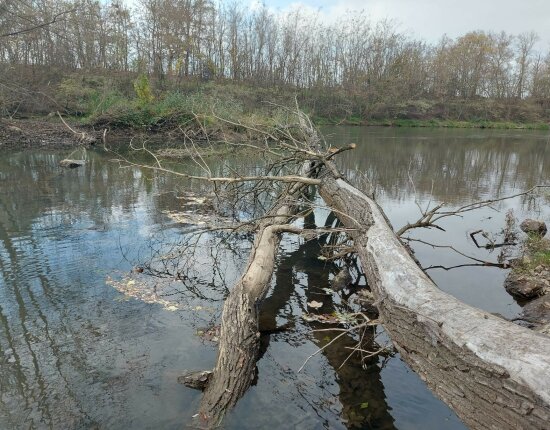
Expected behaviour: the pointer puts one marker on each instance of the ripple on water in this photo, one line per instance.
(76, 353)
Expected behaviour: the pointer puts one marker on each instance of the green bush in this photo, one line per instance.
(143, 90)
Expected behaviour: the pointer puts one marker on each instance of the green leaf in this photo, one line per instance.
(364, 405)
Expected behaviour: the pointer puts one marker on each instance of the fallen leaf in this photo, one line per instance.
(315, 305)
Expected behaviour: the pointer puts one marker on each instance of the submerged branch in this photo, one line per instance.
(452, 248)
(429, 217)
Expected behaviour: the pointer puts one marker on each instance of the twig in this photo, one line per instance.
(485, 263)
(324, 347)
(491, 245)
(430, 217)
(37, 26)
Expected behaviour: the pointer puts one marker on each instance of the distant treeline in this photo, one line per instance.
(377, 69)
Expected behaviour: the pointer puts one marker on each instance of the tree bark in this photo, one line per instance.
(239, 334)
(493, 373)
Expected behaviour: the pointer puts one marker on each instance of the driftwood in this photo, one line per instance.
(493, 373)
(82, 136)
(239, 332)
(71, 164)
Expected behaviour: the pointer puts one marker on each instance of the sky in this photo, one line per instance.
(430, 19)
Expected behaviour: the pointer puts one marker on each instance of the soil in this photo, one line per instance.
(31, 133)
(51, 133)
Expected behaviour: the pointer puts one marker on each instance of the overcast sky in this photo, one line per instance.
(430, 19)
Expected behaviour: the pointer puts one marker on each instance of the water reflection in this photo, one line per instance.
(360, 389)
(69, 353)
(74, 353)
(453, 166)
(412, 167)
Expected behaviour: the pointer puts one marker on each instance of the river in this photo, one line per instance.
(75, 352)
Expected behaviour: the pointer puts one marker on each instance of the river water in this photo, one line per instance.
(75, 352)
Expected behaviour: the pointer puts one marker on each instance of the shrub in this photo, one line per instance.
(143, 90)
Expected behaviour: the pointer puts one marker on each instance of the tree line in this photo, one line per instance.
(174, 40)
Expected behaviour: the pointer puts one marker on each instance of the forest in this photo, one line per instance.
(85, 57)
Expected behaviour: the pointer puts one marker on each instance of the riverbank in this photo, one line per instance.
(38, 133)
(529, 280)
(50, 132)
(133, 103)
(437, 123)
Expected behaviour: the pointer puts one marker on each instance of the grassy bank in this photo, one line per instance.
(196, 109)
(130, 101)
(150, 108)
(436, 123)
(536, 251)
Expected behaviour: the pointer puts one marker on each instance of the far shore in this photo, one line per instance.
(50, 132)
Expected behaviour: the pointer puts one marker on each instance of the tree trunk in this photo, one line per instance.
(493, 373)
(239, 334)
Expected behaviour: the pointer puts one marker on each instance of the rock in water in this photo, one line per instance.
(531, 226)
(537, 312)
(525, 285)
(197, 380)
(71, 164)
(341, 280)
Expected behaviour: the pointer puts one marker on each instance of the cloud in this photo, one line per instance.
(430, 19)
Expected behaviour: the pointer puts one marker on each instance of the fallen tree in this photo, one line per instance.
(239, 333)
(492, 373)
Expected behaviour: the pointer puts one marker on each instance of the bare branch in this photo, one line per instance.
(452, 248)
(430, 217)
(38, 26)
(228, 180)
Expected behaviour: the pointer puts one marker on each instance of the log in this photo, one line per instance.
(71, 164)
(239, 331)
(492, 373)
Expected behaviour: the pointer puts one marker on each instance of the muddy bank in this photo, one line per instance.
(31, 133)
(52, 133)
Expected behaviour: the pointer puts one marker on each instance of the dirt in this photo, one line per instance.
(35, 133)
(50, 133)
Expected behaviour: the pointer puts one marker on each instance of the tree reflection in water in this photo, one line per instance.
(73, 354)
